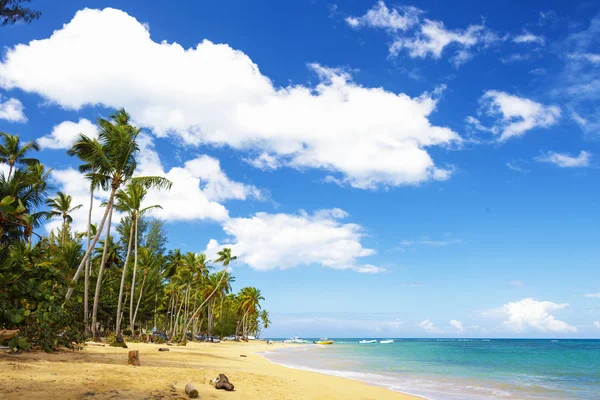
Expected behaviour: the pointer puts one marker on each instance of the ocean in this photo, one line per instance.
(453, 369)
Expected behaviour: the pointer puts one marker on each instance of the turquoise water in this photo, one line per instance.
(446, 369)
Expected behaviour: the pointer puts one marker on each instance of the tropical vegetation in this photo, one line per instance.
(138, 285)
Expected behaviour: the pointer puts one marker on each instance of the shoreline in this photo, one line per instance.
(103, 373)
(340, 374)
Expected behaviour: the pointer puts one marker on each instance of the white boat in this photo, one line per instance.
(295, 340)
(386, 341)
(367, 341)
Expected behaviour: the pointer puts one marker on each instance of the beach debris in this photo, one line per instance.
(191, 391)
(134, 358)
(163, 349)
(6, 334)
(222, 382)
(243, 355)
(95, 344)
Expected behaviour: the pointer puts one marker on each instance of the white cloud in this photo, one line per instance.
(457, 325)
(198, 187)
(64, 134)
(565, 160)
(279, 241)
(516, 115)
(532, 314)
(213, 94)
(591, 57)
(516, 283)
(433, 38)
(528, 37)
(12, 110)
(380, 16)
(597, 324)
(593, 295)
(428, 326)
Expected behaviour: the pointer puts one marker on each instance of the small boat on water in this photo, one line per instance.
(367, 341)
(386, 341)
(324, 341)
(295, 340)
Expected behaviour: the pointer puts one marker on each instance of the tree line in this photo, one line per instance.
(47, 282)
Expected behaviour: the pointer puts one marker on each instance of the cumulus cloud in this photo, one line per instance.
(530, 314)
(593, 295)
(380, 16)
(597, 324)
(12, 110)
(214, 94)
(64, 134)
(457, 325)
(279, 241)
(198, 187)
(528, 38)
(514, 115)
(565, 160)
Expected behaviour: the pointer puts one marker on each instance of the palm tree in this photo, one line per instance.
(113, 159)
(60, 206)
(130, 201)
(225, 258)
(12, 153)
(250, 298)
(39, 174)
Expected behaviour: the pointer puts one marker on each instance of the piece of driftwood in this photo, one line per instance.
(191, 391)
(95, 344)
(243, 355)
(134, 358)
(163, 349)
(222, 382)
(6, 334)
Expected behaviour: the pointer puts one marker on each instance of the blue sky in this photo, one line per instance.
(381, 168)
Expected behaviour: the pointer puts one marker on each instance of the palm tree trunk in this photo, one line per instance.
(86, 285)
(140, 297)
(135, 257)
(100, 273)
(64, 236)
(91, 246)
(118, 329)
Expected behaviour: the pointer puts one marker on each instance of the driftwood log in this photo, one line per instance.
(163, 349)
(134, 358)
(222, 382)
(6, 334)
(191, 391)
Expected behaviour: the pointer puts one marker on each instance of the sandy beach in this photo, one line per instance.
(103, 373)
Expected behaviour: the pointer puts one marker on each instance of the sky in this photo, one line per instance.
(381, 169)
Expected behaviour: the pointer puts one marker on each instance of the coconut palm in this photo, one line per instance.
(225, 258)
(113, 159)
(13, 153)
(60, 206)
(250, 298)
(130, 201)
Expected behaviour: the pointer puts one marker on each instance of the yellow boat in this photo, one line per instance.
(325, 341)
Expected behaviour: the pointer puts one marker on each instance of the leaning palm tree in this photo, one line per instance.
(12, 153)
(113, 159)
(60, 206)
(225, 258)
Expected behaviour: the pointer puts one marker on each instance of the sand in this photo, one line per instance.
(102, 373)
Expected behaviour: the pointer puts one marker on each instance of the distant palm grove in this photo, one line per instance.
(67, 287)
